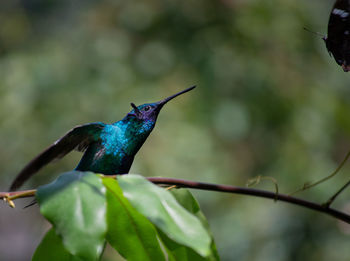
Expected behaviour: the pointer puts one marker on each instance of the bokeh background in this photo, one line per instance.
(270, 101)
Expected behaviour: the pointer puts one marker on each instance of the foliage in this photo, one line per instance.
(140, 220)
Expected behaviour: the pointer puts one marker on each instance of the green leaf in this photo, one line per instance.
(51, 248)
(188, 201)
(179, 252)
(161, 208)
(129, 232)
(75, 204)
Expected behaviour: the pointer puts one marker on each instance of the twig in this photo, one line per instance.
(253, 192)
(307, 186)
(219, 188)
(332, 198)
(18, 194)
(254, 181)
(8, 197)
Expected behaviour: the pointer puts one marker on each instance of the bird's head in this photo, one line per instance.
(148, 112)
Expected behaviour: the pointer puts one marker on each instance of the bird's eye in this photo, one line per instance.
(147, 108)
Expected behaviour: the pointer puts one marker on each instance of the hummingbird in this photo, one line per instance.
(108, 148)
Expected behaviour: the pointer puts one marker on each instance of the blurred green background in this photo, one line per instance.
(270, 101)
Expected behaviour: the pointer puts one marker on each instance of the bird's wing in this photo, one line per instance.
(78, 138)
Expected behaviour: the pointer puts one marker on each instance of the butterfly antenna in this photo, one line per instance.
(317, 33)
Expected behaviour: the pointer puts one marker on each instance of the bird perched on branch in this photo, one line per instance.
(109, 148)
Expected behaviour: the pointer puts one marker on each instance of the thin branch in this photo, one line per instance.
(255, 181)
(9, 196)
(18, 194)
(307, 186)
(332, 198)
(253, 192)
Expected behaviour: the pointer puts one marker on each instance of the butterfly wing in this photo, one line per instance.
(78, 138)
(338, 39)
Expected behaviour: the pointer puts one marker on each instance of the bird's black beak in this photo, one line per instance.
(161, 103)
(158, 105)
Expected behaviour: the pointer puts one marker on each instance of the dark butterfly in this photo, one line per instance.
(338, 38)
